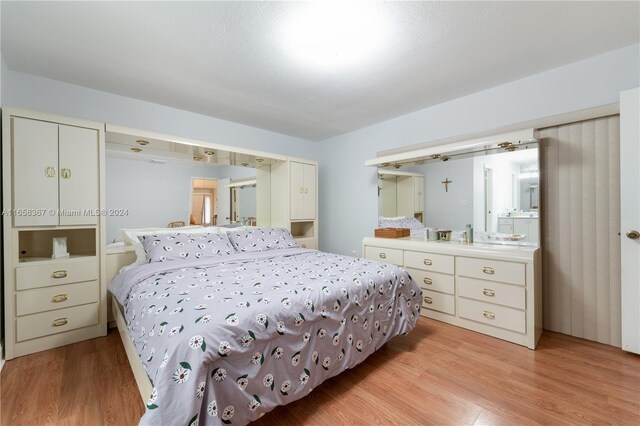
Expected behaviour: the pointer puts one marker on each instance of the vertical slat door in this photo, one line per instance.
(580, 235)
(297, 191)
(35, 172)
(309, 172)
(78, 175)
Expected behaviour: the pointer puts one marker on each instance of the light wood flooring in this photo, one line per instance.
(438, 374)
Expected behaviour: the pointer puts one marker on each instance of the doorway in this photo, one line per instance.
(204, 205)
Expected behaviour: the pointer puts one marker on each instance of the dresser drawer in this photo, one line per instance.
(494, 270)
(488, 313)
(492, 292)
(387, 255)
(55, 297)
(56, 273)
(433, 280)
(438, 302)
(308, 243)
(429, 261)
(58, 321)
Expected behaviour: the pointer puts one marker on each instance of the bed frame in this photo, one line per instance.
(144, 384)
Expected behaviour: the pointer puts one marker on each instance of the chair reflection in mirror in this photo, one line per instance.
(176, 224)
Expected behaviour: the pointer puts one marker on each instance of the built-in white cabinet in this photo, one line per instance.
(495, 290)
(54, 171)
(303, 191)
(294, 199)
(53, 188)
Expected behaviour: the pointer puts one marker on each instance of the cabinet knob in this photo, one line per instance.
(427, 281)
(65, 173)
(304, 246)
(301, 190)
(306, 190)
(488, 270)
(428, 262)
(489, 315)
(59, 322)
(383, 255)
(428, 300)
(488, 292)
(59, 274)
(59, 298)
(633, 234)
(50, 171)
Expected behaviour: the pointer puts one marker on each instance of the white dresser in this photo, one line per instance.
(53, 183)
(492, 289)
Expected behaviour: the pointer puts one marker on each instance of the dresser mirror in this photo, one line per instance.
(155, 182)
(491, 184)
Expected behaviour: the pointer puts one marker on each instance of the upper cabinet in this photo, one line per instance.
(303, 191)
(294, 199)
(55, 174)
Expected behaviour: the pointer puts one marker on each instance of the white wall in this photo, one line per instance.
(347, 189)
(28, 91)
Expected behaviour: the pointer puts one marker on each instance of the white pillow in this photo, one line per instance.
(131, 237)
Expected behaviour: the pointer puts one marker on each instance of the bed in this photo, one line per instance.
(225, 339)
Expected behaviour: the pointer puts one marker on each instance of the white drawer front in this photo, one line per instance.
(492, 292)
(429, 261)
(438, 302)
(488, 313)
(56, 297)
(494, 270)
(308, 243)
(387, 255)
(433, 280)
(56, 273)
(58, 321)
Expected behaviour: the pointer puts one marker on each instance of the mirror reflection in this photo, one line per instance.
(495, 192)
(178, 186)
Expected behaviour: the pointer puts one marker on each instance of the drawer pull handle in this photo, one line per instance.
(59, 274)
(488, 292)
(428, 300)
(59, 322)
(59, 298)
(427, 281)
(428, 262)
(489, 315)
(488, 270)
(304, 246)
(50, 171)
(383, 255)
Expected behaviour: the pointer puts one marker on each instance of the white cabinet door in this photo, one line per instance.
(630, 217)
(297, 191)
(309, 171)
(35, 172)
(505, 226)
(79, 186)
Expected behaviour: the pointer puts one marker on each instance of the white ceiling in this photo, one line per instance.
(227, 59)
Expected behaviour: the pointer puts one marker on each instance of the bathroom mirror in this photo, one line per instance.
(493, 186)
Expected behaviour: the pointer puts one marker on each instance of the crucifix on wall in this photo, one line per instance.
(446, 184)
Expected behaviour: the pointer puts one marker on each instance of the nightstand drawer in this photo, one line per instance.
(387, 255)
(493, 270)
(433, 280)
(438, 302)
(429, 261)
(494, 315)
(308, 243)
(56, 273)
(492, 292)
(55, 297)
(58, 321)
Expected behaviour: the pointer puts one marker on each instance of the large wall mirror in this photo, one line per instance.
(154, 182)
(492, 186)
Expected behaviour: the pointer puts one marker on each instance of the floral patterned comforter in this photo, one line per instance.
(225, 340)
